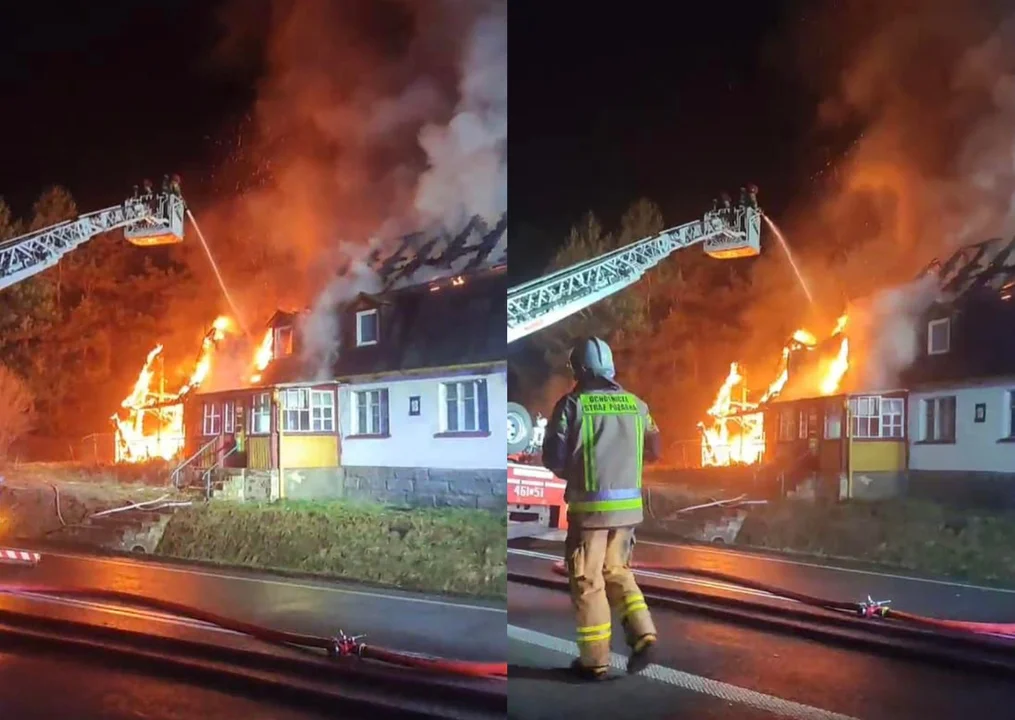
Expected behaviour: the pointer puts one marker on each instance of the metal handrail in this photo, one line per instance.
(206, 476)
(175, 475)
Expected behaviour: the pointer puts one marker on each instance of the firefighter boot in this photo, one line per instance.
(586, 672)
(641, 654)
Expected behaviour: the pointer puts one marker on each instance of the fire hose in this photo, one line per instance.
(869, 608)
(341, 645)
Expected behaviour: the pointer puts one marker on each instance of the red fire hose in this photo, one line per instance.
(340, 646)
(868, 609)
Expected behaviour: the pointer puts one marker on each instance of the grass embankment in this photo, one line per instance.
(37, 500)
(431, 550)
(914, 536)
(917, 536)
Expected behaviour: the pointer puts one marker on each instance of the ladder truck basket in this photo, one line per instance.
(163, 227)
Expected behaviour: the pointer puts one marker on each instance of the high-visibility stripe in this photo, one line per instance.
(594, 633)
(633, 608)
(588, 447)
(605, 505)
(639, 428)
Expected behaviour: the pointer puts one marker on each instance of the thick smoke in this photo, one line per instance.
(925, 92)
(467, 170)
(888, 331)
(465, 176)
(374, 118)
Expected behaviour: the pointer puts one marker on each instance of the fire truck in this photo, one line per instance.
(148, 218)
(726, 232)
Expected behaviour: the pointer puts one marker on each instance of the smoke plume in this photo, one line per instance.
(362, 108)
(888, 332)
(915, 141)
(374, 118)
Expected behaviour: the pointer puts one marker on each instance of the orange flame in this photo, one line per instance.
(735, 434)
(153, 427)
(263, 356)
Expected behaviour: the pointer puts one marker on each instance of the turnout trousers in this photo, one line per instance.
(598, 568)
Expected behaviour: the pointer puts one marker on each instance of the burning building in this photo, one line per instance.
(940, 354)
(403, 406)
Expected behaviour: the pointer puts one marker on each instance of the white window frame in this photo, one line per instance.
(934, 434)
(322, 411)
(1009, 430)
(874, 417)
(282, 341)
(260, 414)
(946, 323)
(229, 417)
(295, 411)
(367, 400)
(787, 424)
(458, 392)
(211, 419)
(360, 317)
(833, 422)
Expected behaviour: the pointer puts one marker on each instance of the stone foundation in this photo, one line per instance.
(408, 487)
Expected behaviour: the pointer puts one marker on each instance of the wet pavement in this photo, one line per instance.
(448, 627)
(710, 669)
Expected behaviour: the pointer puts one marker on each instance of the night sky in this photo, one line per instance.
(606, 107)
(98, 96)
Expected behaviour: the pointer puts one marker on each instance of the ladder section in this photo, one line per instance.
(545, 301)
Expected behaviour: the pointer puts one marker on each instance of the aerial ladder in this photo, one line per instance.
(148, 219)
(726, 232)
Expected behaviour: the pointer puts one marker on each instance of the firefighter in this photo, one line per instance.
(596, 440)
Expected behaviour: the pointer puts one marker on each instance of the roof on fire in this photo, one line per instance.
(452, 322)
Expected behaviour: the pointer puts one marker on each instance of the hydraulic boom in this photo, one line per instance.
(147, 219)
(729, 232)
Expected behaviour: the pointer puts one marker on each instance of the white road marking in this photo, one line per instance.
(687, 681)
(686, 580)
(281, 583)
(834, 568)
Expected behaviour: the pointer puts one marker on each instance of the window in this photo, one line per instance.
(366, 327)
(306, 410)
(787, 423)
(370, 412)
(212, 421)
(833, 421)
(282, 342)
(295, 410)
(802, 426)
(322, 411)
(893, 411)
(939, 336)
(229, 417)
(865, 417)
(1011, 413)
(260, 414)
(939, 419)
(465, 407)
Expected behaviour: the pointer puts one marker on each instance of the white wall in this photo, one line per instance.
(412, 442)
(976, 445)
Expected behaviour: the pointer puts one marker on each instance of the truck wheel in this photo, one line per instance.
(519, 428)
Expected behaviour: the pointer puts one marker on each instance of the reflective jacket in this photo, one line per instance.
(597, 439)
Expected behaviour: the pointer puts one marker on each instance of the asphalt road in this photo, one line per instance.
(100, 693)
(454, 628)
(936, 598)
(709, 669)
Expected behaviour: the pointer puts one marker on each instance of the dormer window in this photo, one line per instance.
(282, 344)
(939, 336)
(367, 327)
